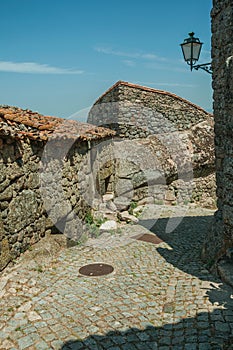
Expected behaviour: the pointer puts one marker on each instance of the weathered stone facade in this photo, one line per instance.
(54, 172)
(220, 238)
(174, 161)
(135, 111)
(46, 182)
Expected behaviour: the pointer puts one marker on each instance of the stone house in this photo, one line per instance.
(136, 111)
(46, 182)
(164, 145)
(55, 172)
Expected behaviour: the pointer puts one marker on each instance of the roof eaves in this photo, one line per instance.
(38, 127)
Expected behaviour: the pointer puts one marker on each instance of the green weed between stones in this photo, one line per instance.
(159, 202)
(93, 224)
(133, 205)
(38, 268)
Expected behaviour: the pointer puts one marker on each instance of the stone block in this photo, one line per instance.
(146, 200)
(169, 196)
(5, 256)
(125, 216)
(124, 187)
(7, 194)
(22, 210)
(108, 225)
(122, 203)
(108, 196)
(126, 169)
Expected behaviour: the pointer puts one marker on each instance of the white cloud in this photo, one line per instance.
(109, 51)
(166, 84)
(152, 57)
(34, 68)
(136, 55)
(129, 63)
(174, 66)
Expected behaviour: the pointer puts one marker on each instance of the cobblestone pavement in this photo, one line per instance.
(158, 297)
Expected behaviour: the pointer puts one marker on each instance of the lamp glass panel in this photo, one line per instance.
(186, 48)
(196, 51)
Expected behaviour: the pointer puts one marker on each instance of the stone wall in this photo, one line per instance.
(136, 111)
(177, 141)
(220, 238)
(136, 187)
(147, 168)
(24, 219)
(43, 190)
(103, 167)
(164, 151)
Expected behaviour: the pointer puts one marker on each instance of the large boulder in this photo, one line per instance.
(167, 167)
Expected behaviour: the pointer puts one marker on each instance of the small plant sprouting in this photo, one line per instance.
(93, 224)
(133, 205)
(89, 218)
(38, 268)
(99, 221)
(93, 230)
(159, 202)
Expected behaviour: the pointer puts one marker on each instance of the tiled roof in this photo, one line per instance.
(20, 123)
(145, 88)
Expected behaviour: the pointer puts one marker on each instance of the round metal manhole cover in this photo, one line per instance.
(98, 269)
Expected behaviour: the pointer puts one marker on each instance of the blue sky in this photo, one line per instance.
(58, 56)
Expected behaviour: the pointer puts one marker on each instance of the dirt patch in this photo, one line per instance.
(41, 254)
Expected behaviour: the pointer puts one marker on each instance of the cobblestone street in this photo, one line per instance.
(160, 296)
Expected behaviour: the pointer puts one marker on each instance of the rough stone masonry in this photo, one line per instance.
(46, 183)
(170, 134)
(84, 162)
(220, 240)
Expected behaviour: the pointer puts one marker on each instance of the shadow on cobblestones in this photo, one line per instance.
(207, 330)
(185, 242)
(160, 296)
(212, 331)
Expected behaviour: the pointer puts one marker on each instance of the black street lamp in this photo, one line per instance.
(191, 49)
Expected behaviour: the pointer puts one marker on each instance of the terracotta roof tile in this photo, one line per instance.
(20, 123)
